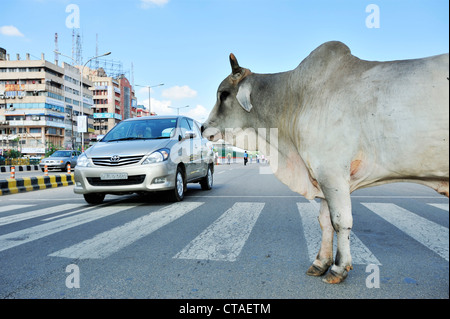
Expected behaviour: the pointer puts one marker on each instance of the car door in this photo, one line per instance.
(196, 148)
(201, 150)
(187, 147)
(74, 158)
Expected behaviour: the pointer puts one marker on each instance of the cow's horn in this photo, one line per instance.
(234, 64)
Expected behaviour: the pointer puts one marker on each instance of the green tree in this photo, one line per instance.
(51, 149)
(13, 154)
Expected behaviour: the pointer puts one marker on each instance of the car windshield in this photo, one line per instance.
(142, 130)
(62, 154)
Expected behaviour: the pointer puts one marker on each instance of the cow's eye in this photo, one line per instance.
(224, 95)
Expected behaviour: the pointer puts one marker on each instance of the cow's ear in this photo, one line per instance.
(243, 96)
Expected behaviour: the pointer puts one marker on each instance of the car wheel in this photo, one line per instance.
(177, 194)
(207, 182)
(94, 198)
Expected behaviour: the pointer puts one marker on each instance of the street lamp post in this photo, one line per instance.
(149, 101)
(81, 96)
(178, 108)
(81, 88)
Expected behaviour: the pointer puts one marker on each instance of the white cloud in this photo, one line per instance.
(199, 113)
(179, 92)
(11, 31)
(149, 3)
(159, 107)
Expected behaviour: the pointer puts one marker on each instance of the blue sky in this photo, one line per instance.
(185, 44)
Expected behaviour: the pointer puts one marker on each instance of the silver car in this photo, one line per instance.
(60, 160)
(146, 154)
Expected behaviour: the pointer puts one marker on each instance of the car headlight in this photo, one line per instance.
(83, 161)
(157, 156)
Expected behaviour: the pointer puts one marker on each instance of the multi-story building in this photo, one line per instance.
(39, 104)
(107, 102)
(142, 111)
(114, 100)
(75, 107)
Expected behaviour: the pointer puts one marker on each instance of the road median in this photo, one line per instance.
(27, 184)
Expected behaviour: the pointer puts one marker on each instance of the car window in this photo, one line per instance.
(61, 154)
(142, 129)
(194, 127)
(184, 126)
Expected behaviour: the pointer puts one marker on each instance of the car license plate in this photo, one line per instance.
(108, 176)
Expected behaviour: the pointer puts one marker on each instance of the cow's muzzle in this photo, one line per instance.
(211, 133)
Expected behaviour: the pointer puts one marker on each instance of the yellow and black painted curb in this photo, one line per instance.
(26, 184)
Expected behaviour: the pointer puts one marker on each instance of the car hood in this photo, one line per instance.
(141, 147)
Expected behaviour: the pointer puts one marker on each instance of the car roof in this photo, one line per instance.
(154, 117)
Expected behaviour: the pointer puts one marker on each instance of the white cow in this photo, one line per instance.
(343, 124)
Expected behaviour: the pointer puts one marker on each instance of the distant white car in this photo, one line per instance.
(146, 154)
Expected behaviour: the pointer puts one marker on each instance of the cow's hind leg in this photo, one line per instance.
(339, 203)
(324, 258)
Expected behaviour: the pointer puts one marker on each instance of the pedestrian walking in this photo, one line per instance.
(245, 158)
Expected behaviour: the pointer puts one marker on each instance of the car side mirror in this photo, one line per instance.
(190, 134)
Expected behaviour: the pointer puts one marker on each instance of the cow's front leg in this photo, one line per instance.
(324, 258)
(339, 203)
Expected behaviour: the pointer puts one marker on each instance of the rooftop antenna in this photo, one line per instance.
(78, 52)
(56, 49)
(132, 75)
(73, 44)
(96, 51)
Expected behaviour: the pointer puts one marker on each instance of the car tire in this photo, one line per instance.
(177, 194)
(207, 182)
(94, 198)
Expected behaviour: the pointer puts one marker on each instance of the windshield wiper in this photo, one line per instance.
(128, 139)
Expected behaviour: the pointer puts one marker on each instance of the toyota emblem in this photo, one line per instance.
(115, 159)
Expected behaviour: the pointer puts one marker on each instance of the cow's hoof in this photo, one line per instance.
(333, 277)
(316, 271)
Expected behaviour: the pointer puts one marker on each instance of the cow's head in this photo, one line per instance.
(233, 107)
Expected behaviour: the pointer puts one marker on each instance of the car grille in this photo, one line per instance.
(124, 160)
(132, 180)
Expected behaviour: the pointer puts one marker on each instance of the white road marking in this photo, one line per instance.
(33, 233)
(426, 232)
(109, 242)
(440, 206)
(36, 213)
(224, 239)
(12, 207)
(309, 213)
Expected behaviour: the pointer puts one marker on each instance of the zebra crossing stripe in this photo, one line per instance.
(12, 207)
(224, 239)
(109, 242)
(426, 232)
(440, 206)
(309, 213)
(33, 233)
(36, 213)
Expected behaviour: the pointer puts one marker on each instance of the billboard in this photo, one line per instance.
(82, 123)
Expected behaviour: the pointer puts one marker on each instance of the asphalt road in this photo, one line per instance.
(249, 237)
